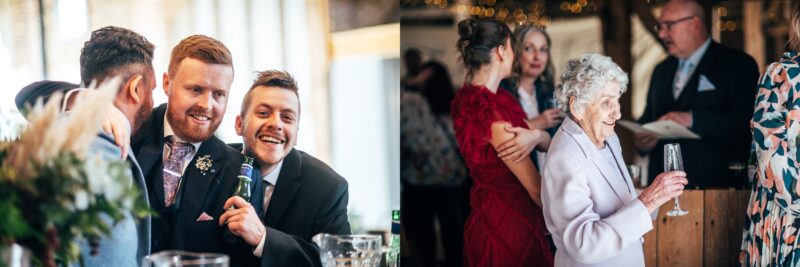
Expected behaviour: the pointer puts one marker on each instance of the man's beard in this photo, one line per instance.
(141, 115)
(189, 131)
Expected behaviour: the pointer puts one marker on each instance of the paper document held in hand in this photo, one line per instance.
(664, 129)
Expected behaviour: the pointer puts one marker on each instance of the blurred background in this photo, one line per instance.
(621, 29)
(343, 53)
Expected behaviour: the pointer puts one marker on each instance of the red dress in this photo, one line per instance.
(505, 227)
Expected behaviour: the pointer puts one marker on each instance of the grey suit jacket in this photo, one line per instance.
(595, 218)
(129, 240)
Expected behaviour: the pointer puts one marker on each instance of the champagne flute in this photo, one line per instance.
(635, 171)
(673, 161)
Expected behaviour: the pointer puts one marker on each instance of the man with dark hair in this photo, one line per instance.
(295, 196)
(119, 52)
(189, 171)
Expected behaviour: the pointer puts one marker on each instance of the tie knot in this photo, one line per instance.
(177, 149)
(685, 65)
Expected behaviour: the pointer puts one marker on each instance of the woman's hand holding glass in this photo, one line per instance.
(665, 187)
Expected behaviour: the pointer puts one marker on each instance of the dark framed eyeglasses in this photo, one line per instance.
(669, 23)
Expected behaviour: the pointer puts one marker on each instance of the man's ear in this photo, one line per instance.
(239, 128)
(132, 88)
(165, 84)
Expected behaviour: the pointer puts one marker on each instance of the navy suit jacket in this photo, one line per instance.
(720, 116)
(309, 198)
(199, 193)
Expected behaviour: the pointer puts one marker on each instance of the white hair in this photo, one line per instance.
(584, 77)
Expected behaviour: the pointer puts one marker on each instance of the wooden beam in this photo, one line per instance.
(617, 34)
(647, 18)
(754, 36)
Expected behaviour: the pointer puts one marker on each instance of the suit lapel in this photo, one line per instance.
(145, 225)
(613, 141)
(592, 153)
(138, 175)
(666, 99)
(148, 145)
(284, 189)
(196, 183)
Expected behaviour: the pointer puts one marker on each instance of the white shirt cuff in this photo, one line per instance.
(260, 247)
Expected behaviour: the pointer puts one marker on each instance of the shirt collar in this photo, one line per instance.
(698, 54)
(168, 131)
(272, 177)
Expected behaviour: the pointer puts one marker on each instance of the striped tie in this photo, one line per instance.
(173, 167)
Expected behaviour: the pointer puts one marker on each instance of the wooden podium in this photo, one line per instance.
(710, 235)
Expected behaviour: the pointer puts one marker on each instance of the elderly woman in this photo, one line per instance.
(589, 203)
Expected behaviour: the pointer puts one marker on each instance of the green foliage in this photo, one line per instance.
(73, 196)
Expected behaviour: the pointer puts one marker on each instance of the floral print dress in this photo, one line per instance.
(771, 224)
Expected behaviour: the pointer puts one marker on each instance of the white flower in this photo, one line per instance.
(97, 176)
(81, 200)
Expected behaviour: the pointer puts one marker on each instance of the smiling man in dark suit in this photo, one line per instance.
(185, 165)
(705, 86)
(296, 196)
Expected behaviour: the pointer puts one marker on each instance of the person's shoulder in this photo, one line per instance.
(217, 144)
(569, 141)
(225, 154)
(732, 54)
(313, 167)
(788, 66)
(104, 146)
(563, 143)
(435, 65)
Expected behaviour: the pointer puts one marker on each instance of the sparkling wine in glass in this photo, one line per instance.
(673, 161)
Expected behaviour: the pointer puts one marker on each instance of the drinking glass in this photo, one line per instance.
(177, 258)
(635, 171)
(673, 161)
(349, 250)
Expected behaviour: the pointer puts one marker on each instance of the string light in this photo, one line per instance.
(722, 11)
(532, 12)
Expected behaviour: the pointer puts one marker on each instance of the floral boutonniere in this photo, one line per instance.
(204, 164)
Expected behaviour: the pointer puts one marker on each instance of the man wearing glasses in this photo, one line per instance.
(706, 87)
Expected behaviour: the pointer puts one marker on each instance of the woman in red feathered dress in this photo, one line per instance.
(506, 226)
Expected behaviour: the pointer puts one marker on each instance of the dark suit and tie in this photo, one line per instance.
(186, 215)
(719, 93)
(308, 198)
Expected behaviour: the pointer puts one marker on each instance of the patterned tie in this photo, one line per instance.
(268, 188)
(173, 167)
(681, 77)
